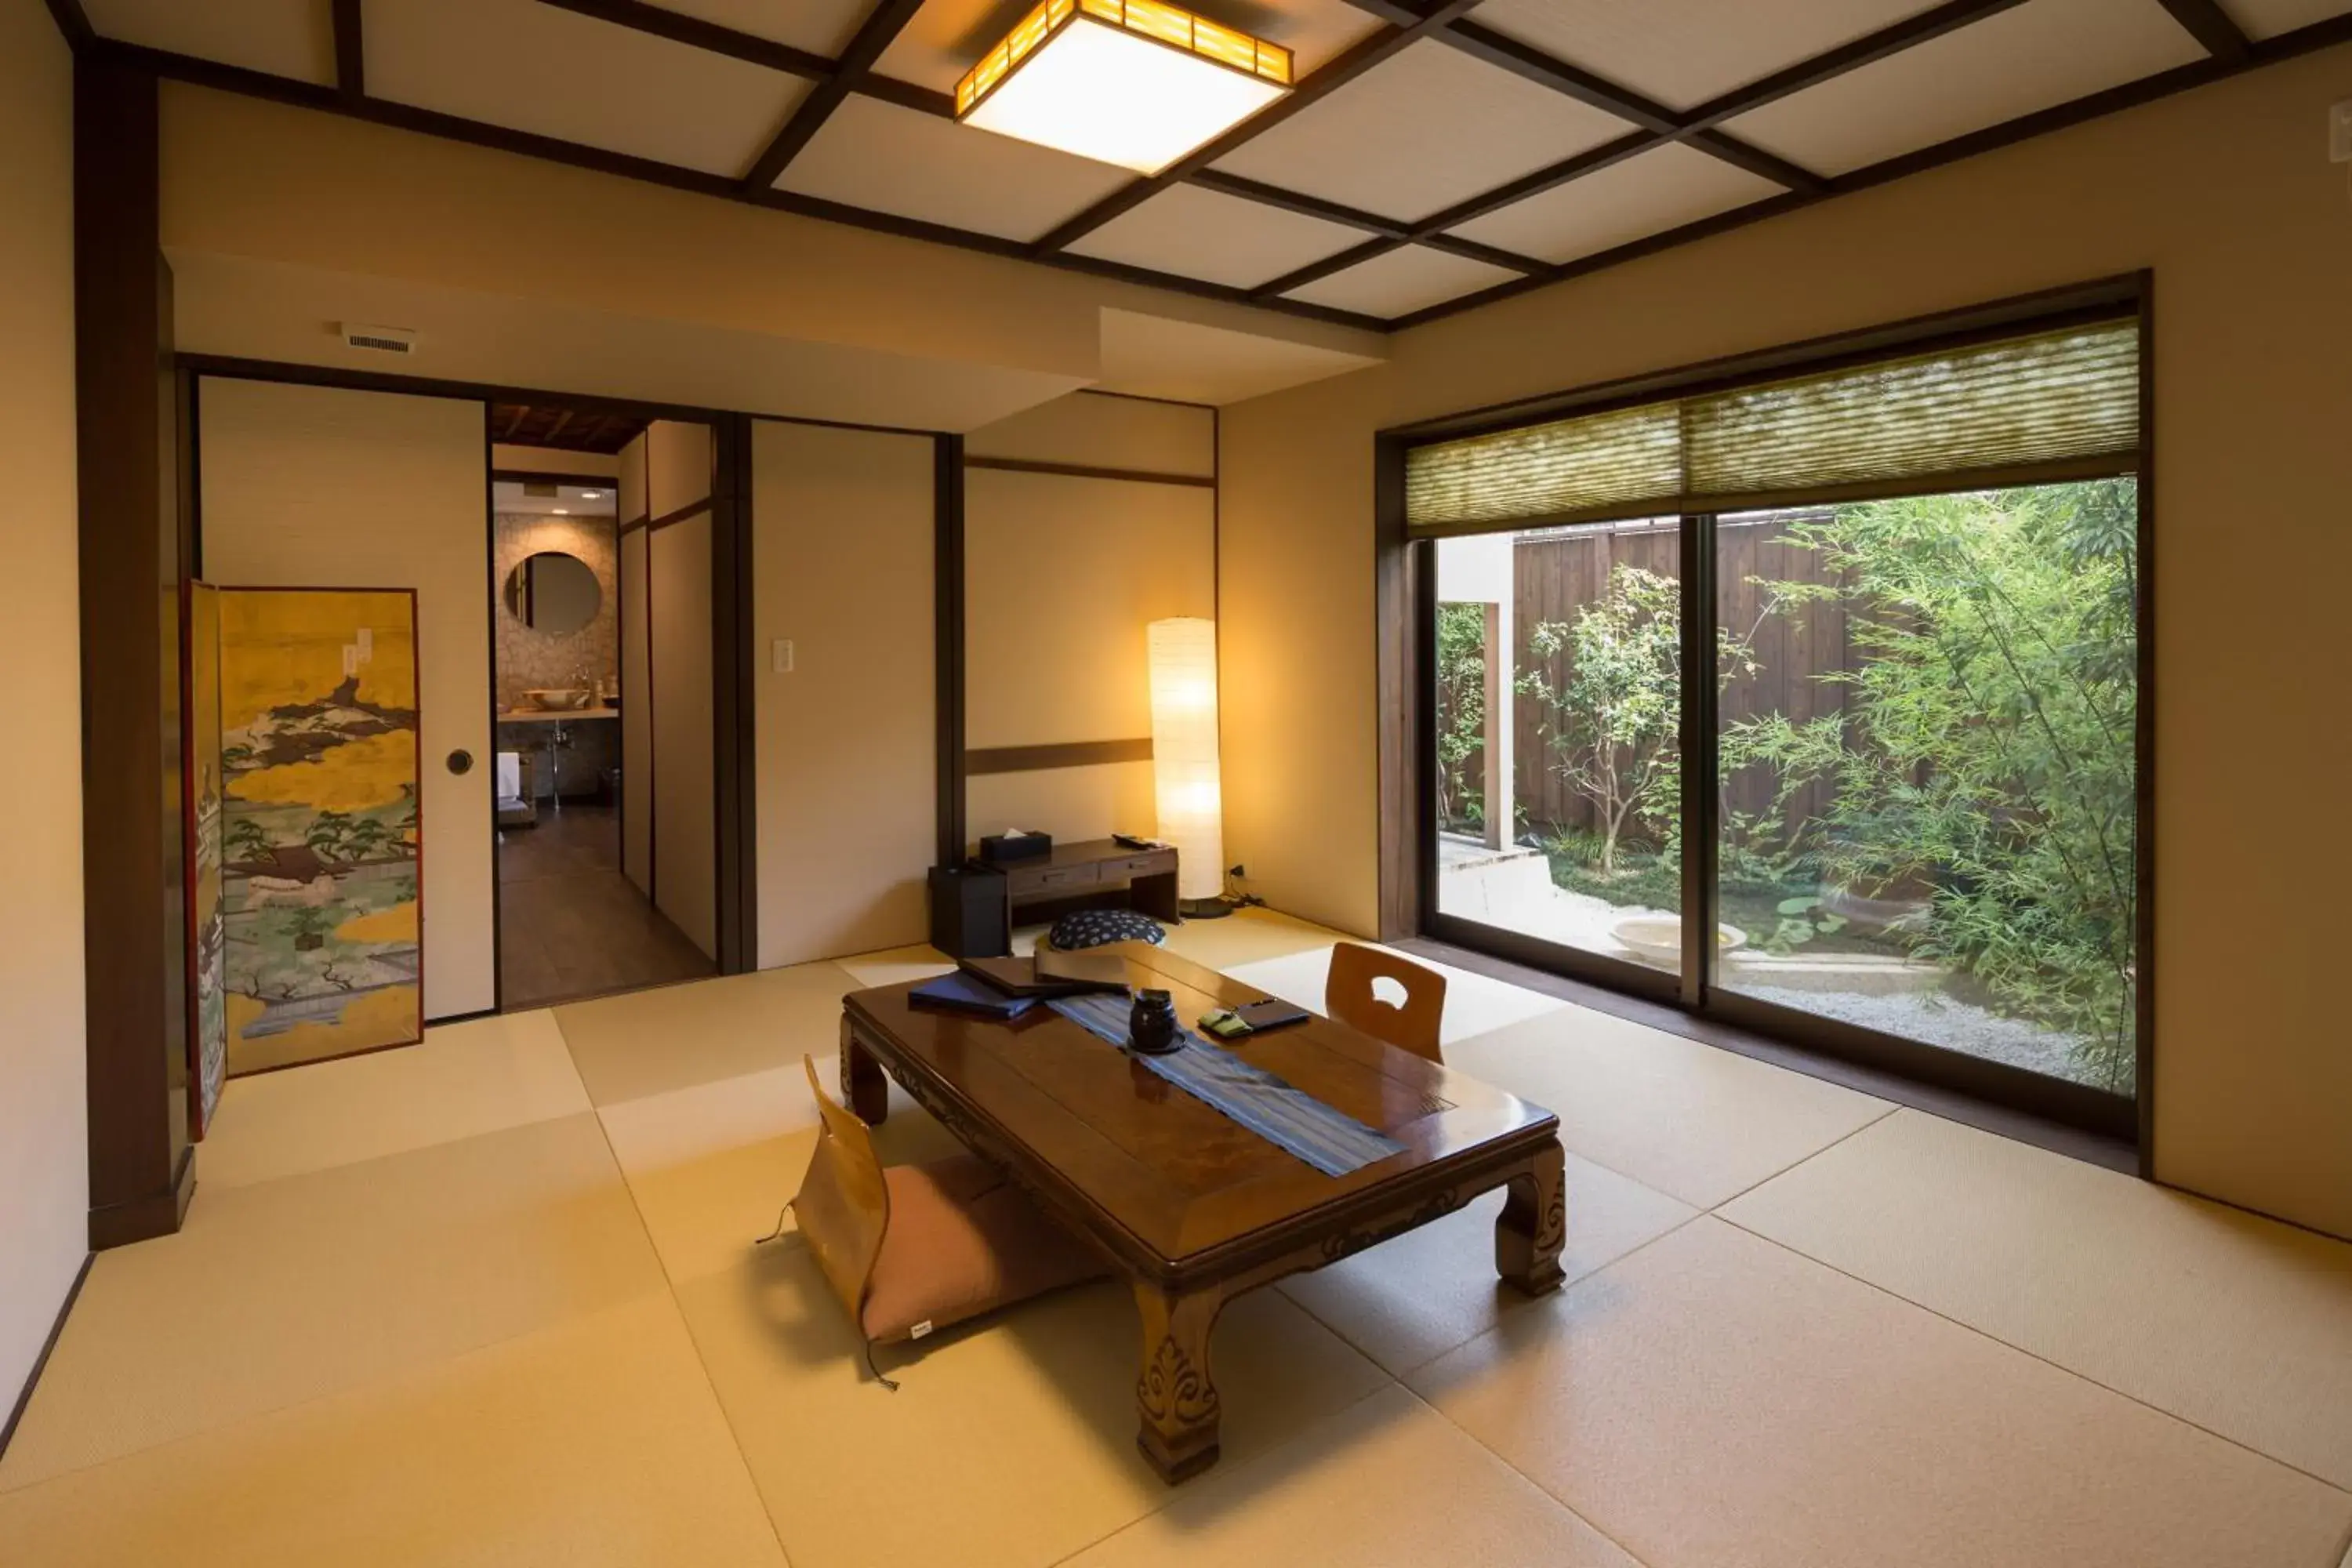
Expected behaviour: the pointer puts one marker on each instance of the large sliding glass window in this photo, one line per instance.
(1810, 700)
(1559, 667)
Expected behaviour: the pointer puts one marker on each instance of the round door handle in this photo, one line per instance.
(461, 762)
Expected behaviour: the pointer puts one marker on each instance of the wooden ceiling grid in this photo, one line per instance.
(2226, 49)
(563, 428)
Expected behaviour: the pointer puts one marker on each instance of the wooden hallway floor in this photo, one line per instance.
(570, 924)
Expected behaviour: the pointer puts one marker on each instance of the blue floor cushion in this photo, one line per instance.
(1098, 928)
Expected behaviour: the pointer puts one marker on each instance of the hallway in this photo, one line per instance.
(570, 926)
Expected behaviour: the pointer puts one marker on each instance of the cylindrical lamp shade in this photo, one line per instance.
(1184, 659)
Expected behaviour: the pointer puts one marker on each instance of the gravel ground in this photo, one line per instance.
(1941, 1021)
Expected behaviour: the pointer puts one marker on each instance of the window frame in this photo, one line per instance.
(1405, 584)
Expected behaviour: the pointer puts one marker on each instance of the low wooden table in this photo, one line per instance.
(1192, 1208)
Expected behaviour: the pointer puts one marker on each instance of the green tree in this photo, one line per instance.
(364, 836)
(326, 835)
(247, 839)
(1612, 723)
(1461, 711)
(1987, 745)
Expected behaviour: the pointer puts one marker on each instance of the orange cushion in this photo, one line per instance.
(962, 1241)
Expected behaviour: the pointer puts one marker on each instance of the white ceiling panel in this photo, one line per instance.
(1220, 239)
(1400, 282)
(534, 68)
(284, 38)
(893, 160)
(1659, 190)
(2269, 18)
(946, 36)
(1421, 132)
(2036, 56)
(821, 27)
(1684, 52)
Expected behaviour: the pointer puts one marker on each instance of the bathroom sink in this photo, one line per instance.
(561, 699)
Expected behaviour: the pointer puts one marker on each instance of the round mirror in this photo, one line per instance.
(554, 593)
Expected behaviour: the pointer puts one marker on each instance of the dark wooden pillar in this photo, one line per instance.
(134, 549)
(734, 695)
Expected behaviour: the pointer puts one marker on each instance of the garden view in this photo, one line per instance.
(1926, 771)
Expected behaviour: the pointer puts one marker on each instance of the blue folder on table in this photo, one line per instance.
(963, 993)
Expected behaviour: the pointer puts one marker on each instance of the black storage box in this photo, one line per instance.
(997, 849)
(968, 912)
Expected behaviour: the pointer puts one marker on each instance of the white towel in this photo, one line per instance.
(510, 775)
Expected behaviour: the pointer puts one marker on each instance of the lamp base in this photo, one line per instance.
(1203, 909)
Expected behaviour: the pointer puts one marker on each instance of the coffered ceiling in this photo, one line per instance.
(1435, 153)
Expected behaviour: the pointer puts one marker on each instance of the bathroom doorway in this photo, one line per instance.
(576, 631)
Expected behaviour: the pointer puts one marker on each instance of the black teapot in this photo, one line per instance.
(1152, 1023)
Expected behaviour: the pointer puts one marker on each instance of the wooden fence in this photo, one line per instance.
(1555, 576)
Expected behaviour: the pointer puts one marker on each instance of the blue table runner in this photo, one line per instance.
(1290, 1119)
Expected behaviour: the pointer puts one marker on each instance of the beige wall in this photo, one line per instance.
(684, 829)
(44, 1153)
(2226, 194)
(553, 460)
(669, 831)
(840, 551)
(677, 465)
(322, 487)
(636, 716)
(527, 273)
(1105, 558)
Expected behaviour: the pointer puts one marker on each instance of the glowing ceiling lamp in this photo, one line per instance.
(1131, 82)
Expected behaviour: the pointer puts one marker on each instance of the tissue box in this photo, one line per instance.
(1005, 850)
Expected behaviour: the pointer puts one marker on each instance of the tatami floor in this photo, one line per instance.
(492, 1299)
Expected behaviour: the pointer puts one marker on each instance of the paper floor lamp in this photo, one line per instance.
(1183, 661)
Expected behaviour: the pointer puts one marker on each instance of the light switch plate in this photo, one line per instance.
(2339, 132)
(781, 658)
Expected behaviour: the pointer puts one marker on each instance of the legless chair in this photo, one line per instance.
(910, 1248)
(1411, 1026)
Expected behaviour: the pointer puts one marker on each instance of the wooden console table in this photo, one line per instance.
(1076, 870)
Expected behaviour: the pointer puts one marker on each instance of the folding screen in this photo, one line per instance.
(320, 827)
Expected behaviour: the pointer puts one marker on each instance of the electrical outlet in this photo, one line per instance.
(781, 657)
(2339, 132)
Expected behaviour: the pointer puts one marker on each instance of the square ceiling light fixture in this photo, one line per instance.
(1131, 82)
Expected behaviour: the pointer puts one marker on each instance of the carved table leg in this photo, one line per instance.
(862, 1088)
(1534, 1225)
(1175, 1396)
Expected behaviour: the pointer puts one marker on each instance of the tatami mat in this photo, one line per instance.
(1715, 1399)
(710, 1166)
(896, 965)
(290, 1290)
(649, 1042)
(2147, 1291)
(428, 1309)
(1694, 1123)
(1475, 1005)
(1384, 1484)
(596, 1443)
(1247, 936)
(1018, 1432)
(1415, 1297)
(464, 1080)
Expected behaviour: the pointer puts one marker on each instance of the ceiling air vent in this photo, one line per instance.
(384, 340)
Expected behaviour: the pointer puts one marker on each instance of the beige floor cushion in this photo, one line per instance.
(963, 1240)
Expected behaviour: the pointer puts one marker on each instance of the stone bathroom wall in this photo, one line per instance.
(527, 658)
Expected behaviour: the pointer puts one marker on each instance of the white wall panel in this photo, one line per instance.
(841, 533)
(319, 486)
